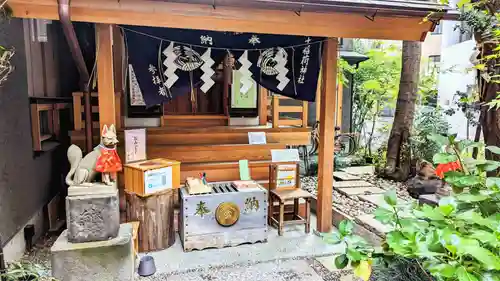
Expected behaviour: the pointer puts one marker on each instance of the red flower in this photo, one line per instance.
(441, 169)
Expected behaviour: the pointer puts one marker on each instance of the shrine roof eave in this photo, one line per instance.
(327, 18)
(419, 8)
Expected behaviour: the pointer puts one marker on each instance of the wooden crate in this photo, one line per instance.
(151, 176)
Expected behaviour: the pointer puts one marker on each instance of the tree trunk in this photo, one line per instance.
(477, 137)
(155, 214)
(490, 122)
(398, 147)
(374, 121)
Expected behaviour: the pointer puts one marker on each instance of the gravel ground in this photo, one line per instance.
(40, 254)
(351, 204)
(401, 187)
(295, 269)
(308, 269)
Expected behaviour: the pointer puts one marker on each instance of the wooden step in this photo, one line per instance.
(213, 153)
(288, 136)
(184, 121)
(228, 171)
(204, 136)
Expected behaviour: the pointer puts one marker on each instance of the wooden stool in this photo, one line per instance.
(283, 196)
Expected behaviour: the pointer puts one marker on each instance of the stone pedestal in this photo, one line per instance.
(92, 213)
(110, 260)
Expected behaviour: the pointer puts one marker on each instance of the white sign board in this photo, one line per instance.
(285, 155)
(157, 180)
(257, 138)
(135, 145)
(286, 175)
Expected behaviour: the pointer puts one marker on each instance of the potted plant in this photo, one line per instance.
(24, 271)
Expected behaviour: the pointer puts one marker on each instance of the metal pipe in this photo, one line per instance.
(76, 52)
(2, 262)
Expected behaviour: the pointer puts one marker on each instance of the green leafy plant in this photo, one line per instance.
(427, 88)
(459, 239)
(25, 271)
(380, 159)
(467, 104)
(427, 121)
(376, 84)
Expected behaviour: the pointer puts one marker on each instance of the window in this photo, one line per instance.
(434, 64)
(438, 29)
(45, 122)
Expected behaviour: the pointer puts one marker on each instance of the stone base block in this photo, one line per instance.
(110, 260)
(94, 216)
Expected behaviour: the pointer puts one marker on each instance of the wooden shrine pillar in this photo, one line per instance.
(105, 76)
(326, 134)
(340, 95)
(318, 95)
(119, 70)
(263, 93)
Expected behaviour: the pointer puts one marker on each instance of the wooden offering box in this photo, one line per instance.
(151, 176)
(224, 217)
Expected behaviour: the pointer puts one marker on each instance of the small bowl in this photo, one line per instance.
(147, 266)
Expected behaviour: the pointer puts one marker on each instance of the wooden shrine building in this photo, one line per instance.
(205, 138)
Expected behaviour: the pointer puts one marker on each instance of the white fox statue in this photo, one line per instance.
(103, 159)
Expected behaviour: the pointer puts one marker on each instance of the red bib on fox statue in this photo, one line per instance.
(108, 161)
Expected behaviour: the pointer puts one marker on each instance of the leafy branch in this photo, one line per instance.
(25, 271)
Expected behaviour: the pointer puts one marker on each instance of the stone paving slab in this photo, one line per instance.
(294, 243)
(349, 191)
(349, 184)
(370, 222)
(343, 176)
(431, 199)
(376, 199)
(296, 270)
(361, 170)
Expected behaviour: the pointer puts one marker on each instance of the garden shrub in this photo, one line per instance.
(459, 239)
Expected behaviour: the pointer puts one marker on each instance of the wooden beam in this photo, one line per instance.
(326, 135)
(119, 69)
(227, 71)
(293, 108)
(105, 78)
(263, 106)
(118, 111)
(318, 96)
(118, 59)
(276, 111)
(289, 122)
(35, 127)
(305, 113)
(340, 95)
(77, 112)
(204, 17)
